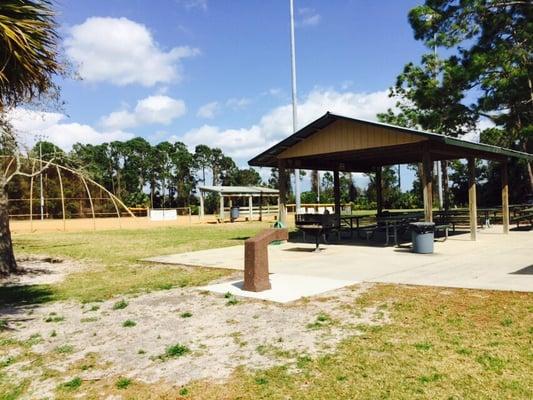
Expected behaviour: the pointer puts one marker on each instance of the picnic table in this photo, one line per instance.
(396, 223)
(524, 214)
(487, 213)
(349, 219)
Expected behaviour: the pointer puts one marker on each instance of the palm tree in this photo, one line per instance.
(28, 63)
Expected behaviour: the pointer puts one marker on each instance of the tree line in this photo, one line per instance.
(145, 175)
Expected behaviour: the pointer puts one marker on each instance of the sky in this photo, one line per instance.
(218, 72)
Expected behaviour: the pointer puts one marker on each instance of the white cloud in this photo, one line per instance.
(123, 52)
(474, 135)
(308, 17)
(201, 4)
(56, 129)
(208, 110)
(239, 143)
(157, 109)
(274, 92)
(238, 103)
(278, 122)
(244, 143)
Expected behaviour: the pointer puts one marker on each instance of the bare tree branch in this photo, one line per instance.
(510, 3)
(18, 172)
(8, 166)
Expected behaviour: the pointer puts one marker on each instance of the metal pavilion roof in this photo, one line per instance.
(269, 157)
(240, 190)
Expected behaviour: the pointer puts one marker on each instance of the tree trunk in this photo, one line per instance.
(445, 184)
(314, 181)
(8, 265)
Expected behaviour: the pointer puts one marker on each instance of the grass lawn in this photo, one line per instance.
(437, 343)
(440, 344)
(114, 259)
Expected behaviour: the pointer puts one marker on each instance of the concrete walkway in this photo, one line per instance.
(494, 261)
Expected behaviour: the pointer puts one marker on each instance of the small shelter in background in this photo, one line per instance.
(254, 194)
(337, 143)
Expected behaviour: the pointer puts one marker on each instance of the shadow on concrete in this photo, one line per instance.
(524, 271)
(304, 249)
(378, 240)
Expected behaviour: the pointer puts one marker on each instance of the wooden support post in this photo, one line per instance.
(202, 211)
(250, 208)
(221, 211)
(427, 185)
(505, 197)
(472, 201)
(337, 196)
(282, 183)
(379, 190)
(261, 206)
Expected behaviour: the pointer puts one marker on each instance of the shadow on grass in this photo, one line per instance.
(22, 295)
(27, 245)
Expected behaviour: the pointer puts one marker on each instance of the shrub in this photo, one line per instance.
(177, 350)
(73, 384)
(120, 305)
(123, 383)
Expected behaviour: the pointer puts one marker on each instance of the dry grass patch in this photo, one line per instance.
(447, 344)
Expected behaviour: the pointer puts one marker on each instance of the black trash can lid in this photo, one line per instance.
(422, 227)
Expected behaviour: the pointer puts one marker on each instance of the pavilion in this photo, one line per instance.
(341, 144)
(232, 192)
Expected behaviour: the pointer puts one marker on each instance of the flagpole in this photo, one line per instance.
(294, 105)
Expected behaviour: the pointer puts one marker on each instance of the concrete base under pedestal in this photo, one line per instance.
(285, 287)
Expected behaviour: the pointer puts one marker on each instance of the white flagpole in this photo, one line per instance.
(294, 104)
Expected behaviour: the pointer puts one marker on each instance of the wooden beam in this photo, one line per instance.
(282, 183)
(427, 185)
(202, 209)
(379, 190)
(337, 195)
(221, 209)
(505, 196)
(261, 206)
(472, 201)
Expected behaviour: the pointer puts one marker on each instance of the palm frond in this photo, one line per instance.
(28, 50)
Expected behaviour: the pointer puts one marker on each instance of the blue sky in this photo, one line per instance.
(218, 72)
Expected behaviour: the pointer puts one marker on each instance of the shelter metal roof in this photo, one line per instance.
(240, 190)
(441, 147)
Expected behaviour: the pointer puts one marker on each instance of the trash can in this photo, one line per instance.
(422, 235)
(234, 213)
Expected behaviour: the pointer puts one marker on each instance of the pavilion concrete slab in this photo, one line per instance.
(491, 262)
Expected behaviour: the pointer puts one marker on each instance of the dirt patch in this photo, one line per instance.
(212, 335)
(41, 271)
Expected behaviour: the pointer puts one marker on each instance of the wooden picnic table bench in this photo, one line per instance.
(522, 215)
